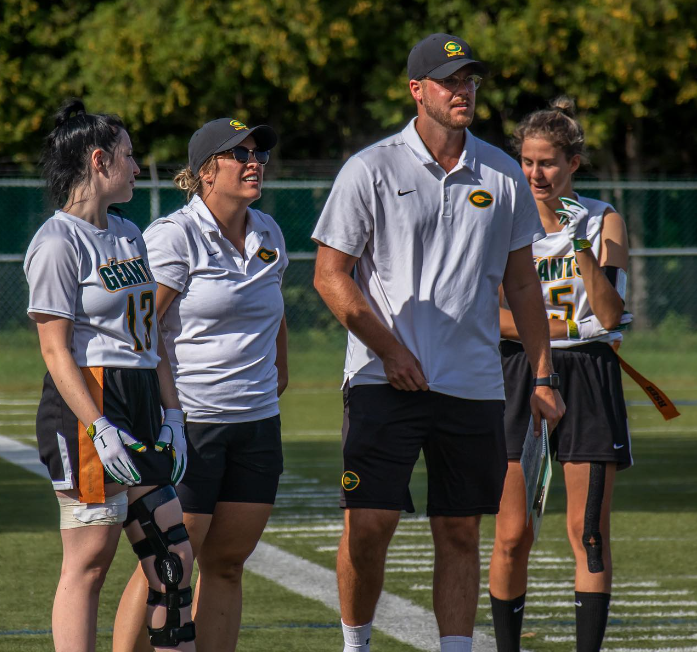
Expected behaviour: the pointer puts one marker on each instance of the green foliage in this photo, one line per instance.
(330, 74)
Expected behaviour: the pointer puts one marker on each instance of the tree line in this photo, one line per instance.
(330, 75)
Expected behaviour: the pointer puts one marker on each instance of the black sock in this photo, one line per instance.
(591, 620)
(508, 621)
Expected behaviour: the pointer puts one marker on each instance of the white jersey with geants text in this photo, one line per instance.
(220, 330)
(563, 289)
(101, 281)
(432, 248)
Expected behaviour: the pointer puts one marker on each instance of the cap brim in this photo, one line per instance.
(264, 136)
(447, 69)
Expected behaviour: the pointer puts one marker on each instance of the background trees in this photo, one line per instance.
(330, 75)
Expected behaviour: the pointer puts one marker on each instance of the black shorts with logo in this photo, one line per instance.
(385, 430)
(131, 401)
(594, 427)
(232, 463)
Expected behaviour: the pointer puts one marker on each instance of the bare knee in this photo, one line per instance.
(512, 540)
(222, 568)
(367, 535)
(91, 577)
(456, 535)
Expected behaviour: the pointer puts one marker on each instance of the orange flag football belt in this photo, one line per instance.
(91, 473)
(663, 404)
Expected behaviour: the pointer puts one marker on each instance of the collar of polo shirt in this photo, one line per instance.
(416, 145)
(208, 224)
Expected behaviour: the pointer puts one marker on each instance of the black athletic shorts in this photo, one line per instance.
(463, 442)
(594, 427)
(231, 463)
(131, 401)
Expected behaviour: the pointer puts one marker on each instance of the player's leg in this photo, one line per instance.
(509, 561)
(384, 430)
(466, 460)
(234, 533)
(508, 571)
(89, 531)
(455, 573)
(130, 625)
(241, 509)
(88, 550)
(155, 528)
(361, 561)
(589, 487)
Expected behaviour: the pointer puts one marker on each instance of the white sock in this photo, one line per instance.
(456, 644)
(356, 639)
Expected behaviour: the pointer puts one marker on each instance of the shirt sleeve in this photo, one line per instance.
(52, 268)
(168, 253)
(347, 220)
(527, 227)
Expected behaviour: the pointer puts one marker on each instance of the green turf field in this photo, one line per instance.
(654, 521)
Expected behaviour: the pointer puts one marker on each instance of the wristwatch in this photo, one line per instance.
(547, 381)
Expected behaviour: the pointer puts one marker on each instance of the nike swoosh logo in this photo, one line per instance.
(578, 603)
(401, 194)
(617, 446)
(517, 609)
(132, 240)
(212, 253)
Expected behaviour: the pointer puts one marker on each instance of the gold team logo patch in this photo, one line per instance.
(481, 199)
(350, 480)
(267, 255)
(237, 125)
(453, 49)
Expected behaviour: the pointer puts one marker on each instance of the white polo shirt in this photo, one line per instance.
(100, 280)
(432, 249)
(220, 330)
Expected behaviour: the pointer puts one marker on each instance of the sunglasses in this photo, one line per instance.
(241, 155)
(452, 84)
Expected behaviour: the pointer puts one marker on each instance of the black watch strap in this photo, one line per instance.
(547, 381)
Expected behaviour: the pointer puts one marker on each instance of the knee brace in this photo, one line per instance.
(592, 539)
(168, 566)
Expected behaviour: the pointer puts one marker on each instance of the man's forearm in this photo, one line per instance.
(533, 328)
(343, 297)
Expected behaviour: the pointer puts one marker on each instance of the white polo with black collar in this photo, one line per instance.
(220, 330)
(432, 248)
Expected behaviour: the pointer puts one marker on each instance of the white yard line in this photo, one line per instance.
(22, 455)
(395, 616)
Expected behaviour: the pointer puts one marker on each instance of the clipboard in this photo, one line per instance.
(536, 464)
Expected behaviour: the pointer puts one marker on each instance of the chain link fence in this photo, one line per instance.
(660, 217)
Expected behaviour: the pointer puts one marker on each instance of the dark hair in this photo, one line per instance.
(558, 125)
(65, 159)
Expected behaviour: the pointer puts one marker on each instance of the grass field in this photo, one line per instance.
(654, 521)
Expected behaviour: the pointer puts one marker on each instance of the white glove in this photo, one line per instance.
(591, 327)
(111, 444)
(172, 438)
(573, 218)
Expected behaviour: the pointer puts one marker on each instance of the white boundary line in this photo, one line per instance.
(397, 617)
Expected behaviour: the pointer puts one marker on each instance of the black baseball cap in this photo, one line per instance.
(223, 134)
(440, 55)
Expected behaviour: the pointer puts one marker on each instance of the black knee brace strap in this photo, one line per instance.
(592, 539)
(171, 634)
(168, 566)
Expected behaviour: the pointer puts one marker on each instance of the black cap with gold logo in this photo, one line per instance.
(440, 55)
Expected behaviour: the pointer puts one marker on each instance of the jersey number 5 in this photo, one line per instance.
(147, 308)
(555, 295)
